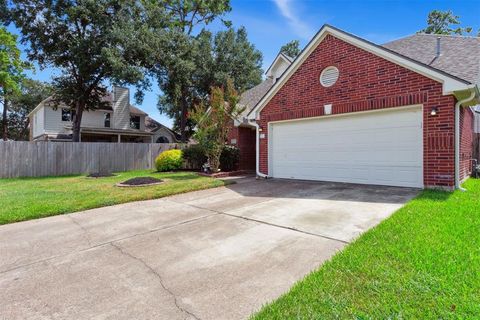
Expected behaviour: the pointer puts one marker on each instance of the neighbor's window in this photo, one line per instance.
(135, 122)
(107, 120)
(67, 114)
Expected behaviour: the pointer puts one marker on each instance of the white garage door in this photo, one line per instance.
(382, 147)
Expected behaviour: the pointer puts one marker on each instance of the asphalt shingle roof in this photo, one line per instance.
(459, 55)
(251, 97)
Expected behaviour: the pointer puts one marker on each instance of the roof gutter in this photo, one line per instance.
(459, 103)
(257, 152)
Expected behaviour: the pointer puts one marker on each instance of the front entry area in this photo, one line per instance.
(378, 147)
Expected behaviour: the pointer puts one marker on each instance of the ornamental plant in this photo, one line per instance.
(214, 120)
(169, 160)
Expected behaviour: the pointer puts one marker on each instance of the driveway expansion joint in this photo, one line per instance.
(159, 277)
(102, 244)
(266, 223)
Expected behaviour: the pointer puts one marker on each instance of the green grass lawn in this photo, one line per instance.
(421, 263)
(31, 198)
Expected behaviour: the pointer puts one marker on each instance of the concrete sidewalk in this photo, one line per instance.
(213, 254)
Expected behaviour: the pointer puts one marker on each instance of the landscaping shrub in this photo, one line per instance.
(229, 158)
(195, 156)
(169, 160)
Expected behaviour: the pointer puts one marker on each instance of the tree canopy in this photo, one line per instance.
(207, 60)
(444, 22)
(291, 49)
(31, 93)
(11, 73)
(178, 73)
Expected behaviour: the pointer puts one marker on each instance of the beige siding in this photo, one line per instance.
(477, 119)
(38, 122)
(53, 121)
(121, 108)
(94, 119)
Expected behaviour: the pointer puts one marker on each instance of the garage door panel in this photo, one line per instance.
(375, 148)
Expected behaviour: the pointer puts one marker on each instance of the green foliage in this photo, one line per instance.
(214, 120)
(177, 74)
(195, 64)
(11, 73)
(291, 49)
(31, 93)
(169, 160)
(11, 65)
(444, 22)
(229, 158)
(195, 155)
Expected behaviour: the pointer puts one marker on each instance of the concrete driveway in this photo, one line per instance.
(214, 254)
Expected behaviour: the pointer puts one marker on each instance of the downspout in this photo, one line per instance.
(257, 152)
(457, 139)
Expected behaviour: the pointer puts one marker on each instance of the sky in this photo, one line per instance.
(272, 23)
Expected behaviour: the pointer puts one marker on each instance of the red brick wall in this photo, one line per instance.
(466, 142)
(367, 82)
(246, 143)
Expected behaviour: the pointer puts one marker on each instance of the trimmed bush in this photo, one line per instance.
(169, 160)
(195, 156)
(229, 158)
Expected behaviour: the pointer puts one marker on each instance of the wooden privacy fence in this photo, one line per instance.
(36, 159)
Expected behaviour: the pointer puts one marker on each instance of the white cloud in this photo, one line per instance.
(300, 27)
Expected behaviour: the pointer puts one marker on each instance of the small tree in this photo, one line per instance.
(291, 49)
(213, 121)
(444, 22)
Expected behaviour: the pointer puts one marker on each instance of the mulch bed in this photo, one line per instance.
(140, 182)
(226, 174)
(100, 175)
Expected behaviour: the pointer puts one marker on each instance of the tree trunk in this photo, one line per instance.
(5, 119)
(183, 115)
(77, 120)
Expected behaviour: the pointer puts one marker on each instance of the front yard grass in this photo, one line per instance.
(31, 198)
(421, 263)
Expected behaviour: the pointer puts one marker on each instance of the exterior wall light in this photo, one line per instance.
(434, 111)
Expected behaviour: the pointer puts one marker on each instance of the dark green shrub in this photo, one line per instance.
(229, 158)
(169, 160)
(195, 156)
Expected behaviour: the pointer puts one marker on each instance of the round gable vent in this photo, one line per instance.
(329, 76)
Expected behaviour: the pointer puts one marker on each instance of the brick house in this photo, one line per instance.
(348, 110)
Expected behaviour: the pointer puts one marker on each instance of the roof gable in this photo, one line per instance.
(450, 83)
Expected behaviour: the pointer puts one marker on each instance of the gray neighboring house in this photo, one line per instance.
(161, 133)
(120, 122)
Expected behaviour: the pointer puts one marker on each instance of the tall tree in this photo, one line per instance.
(291, 49)
(31, 93)
(174, 74)
(92, 42)
(236, 58)
(11, 73)
(444, 22)
(213, 59)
